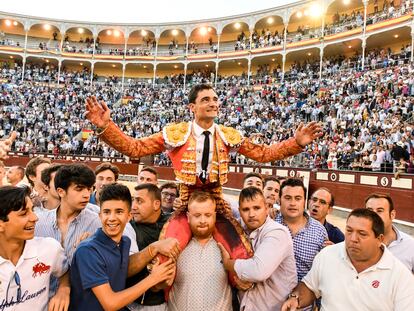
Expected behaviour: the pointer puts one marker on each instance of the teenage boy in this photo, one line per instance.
(52, 200)
(27, 263)
(71, 221)
(101, 264)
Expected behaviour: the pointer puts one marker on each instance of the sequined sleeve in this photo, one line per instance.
(132, 147)
(268, 153)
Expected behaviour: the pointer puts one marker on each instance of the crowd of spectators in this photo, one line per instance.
(343, 22)
(339, 22)
(365, 113)
(390, 9)
(266, 38)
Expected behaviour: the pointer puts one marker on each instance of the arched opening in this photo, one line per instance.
(388, 48)
(141, 43)
(172, 42)
(235, 37)
(201, 72)
(203, 40)
(75, 73)
(341, 57)
(171, 74)
(41, 69)
(11, 68)
(45, 38)
(380, 10)
(108, 74)
(343, 15)
(303, 64)
(110, 42)
(266, 69)
(138, 72)
(305, 23)
(268, 32)
(232, 68)
(78, 40)
(11, 33)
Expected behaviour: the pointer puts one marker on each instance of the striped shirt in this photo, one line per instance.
(47, 226)
(306, 243)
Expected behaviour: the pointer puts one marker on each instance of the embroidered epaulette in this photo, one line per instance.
(176, 134)
(231, 137)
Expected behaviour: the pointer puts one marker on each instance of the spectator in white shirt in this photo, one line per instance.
(358, 274)
(400, 244)
(26, 263)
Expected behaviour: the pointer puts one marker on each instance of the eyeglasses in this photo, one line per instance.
(321, 201)
(19, 286)
(167, 194)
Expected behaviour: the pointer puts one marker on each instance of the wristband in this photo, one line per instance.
(150, 252)
(101, 130)
(296, 296)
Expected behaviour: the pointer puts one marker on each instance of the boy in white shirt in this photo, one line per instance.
(27, 263)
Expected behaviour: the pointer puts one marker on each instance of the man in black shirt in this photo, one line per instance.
(148, 220)
(320, 205)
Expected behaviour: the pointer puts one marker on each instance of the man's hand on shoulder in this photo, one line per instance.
(168, 247)
(243, 285)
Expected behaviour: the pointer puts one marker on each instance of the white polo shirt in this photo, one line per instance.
(388, 285)
(25, 287)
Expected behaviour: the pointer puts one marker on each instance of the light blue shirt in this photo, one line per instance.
(47, 226)
(403, 248)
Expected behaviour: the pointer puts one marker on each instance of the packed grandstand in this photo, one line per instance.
(128, 173)
(350, 69)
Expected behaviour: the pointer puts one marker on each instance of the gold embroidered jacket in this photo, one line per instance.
(179, 141)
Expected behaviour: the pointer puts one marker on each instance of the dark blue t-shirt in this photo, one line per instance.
(98, 260)
(334, 233)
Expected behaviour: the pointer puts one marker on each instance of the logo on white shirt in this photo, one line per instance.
(40, 268)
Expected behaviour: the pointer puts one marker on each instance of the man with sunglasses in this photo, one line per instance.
(27, 263)
(320, 205)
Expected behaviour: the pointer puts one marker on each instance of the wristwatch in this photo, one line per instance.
(294, 295)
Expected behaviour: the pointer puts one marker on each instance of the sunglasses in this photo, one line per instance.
(19, 286)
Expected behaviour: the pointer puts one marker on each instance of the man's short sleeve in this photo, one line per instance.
(312, 278)
(90, 266)
(130, 233)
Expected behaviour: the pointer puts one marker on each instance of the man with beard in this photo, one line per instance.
(147, 222)
(201, 283)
